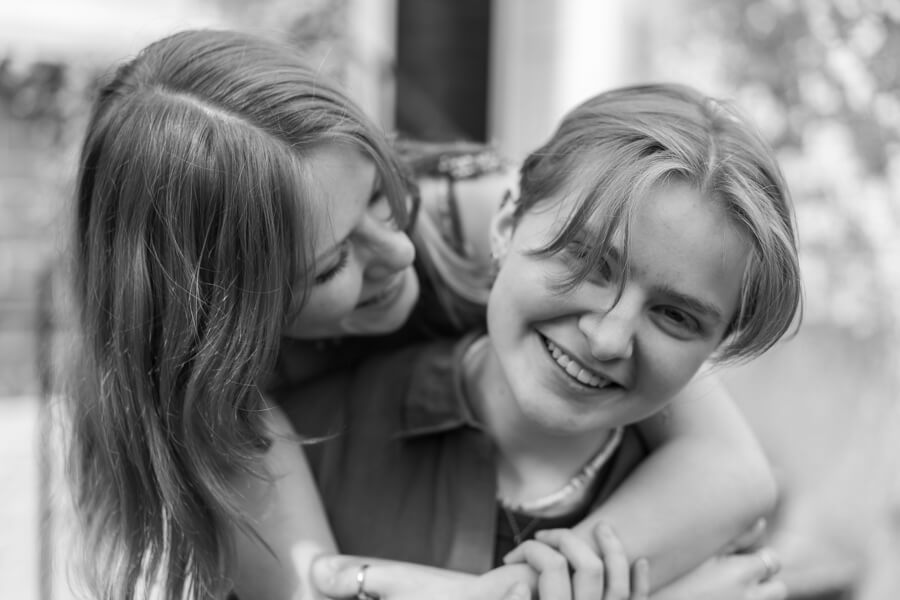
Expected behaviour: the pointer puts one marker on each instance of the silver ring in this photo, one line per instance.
(770, 563)
(361, 593)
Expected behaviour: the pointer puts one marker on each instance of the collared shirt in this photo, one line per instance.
(405, 470)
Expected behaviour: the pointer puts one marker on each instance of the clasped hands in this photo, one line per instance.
(556, 565)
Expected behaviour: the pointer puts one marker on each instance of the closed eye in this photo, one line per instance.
(332, 271)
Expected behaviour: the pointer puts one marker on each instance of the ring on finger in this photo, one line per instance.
(361, 593)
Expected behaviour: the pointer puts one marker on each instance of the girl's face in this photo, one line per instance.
(574, 361)
(364, 282)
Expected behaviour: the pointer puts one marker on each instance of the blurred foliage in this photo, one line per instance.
(52, 97)
(32, 94)
(318, 27)
(35, 94)
(821, 78)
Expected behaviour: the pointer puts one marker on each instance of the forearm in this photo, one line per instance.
(677, 518)
(338, 577)
(706, 482)
(290, 528)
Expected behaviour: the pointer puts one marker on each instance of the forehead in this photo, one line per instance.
(684, 242)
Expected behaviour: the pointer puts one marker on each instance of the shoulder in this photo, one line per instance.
(462, 209)
(461, 185)
(372, 391)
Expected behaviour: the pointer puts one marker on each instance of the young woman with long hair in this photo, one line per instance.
(229, 198)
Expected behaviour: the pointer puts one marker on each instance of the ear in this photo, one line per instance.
(502, 226)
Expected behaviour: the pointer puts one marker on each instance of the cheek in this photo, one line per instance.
(525, 284)
(669, 364)
(511, 300)
(328, 305)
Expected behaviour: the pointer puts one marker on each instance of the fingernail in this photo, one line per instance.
(519, 591)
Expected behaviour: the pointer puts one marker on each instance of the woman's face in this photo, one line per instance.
(364, 283)
(577, 360)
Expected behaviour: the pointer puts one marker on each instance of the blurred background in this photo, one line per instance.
(820, 77)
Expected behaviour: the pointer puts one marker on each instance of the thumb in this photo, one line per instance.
(336, 576)
(304, 555)
(342, 576)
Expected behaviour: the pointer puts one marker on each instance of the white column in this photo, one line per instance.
(546, 56)
(372, 34)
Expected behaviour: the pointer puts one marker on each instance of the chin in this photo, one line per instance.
(407, 301)
(393, 317)
(552, 416)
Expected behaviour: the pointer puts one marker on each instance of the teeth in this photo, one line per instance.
(571, 366)
(380, 296)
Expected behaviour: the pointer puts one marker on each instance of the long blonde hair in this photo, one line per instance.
(192, 234)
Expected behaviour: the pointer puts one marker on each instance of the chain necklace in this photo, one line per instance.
(519, 535)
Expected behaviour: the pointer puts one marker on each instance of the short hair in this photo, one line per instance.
(192, 242)
(614, 148)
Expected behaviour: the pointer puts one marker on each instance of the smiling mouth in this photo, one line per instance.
(388, 293)
(575, 370)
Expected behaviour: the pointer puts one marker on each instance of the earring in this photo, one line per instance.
(495, 265)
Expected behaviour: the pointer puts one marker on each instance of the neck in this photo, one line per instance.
(532, 459)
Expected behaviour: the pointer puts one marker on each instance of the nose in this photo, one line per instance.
(389, 250)
(610, 334)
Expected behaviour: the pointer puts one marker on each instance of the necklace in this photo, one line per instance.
(570, 490)
(519, 535)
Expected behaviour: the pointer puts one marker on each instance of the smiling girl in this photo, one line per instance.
(653, 233)
(230, 198)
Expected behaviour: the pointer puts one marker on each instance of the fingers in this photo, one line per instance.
(342, 576)
(748, 540)
(592, 579)
(337, 576)
(519, 591)
(768, 564)
(553, 569)
(774, 589)
(640, 580)
(613, 554)
(588, 577)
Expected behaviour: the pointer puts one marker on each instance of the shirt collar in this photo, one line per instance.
(436, 400)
